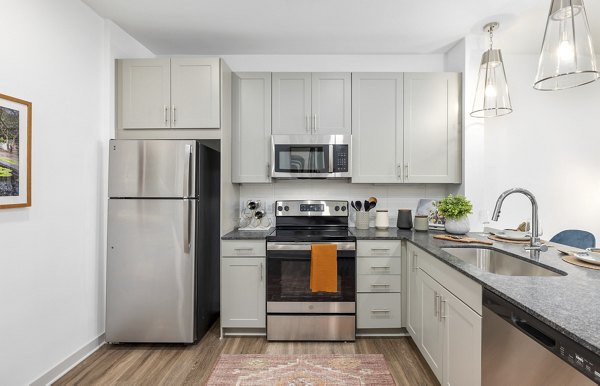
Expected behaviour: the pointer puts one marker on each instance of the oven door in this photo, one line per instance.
(288, 280)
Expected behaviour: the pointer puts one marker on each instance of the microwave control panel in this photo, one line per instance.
(340, 158)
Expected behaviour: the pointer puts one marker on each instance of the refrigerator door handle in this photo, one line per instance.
(187, 226)
(187, 177)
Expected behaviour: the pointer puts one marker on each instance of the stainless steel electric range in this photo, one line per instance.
(294, 312)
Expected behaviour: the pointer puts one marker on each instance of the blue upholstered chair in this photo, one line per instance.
(575, 238)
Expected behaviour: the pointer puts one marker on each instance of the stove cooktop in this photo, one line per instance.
(310, 234)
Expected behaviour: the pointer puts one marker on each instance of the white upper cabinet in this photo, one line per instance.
(432, 125)
(291, 103)
(331, 100)
(182, 93)
(317, 103)
(145, 93)
(406, 127)
(195, 98)
(377, 103)
(251, 127)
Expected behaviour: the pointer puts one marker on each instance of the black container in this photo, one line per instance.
(404, 219)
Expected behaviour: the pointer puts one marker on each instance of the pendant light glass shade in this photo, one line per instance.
(567, 58)
(491, 96)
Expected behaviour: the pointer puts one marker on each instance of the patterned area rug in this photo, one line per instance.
(300, 370)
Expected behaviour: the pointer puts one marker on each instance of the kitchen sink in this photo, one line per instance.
(497, 262)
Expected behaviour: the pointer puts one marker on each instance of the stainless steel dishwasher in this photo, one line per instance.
(519, 349)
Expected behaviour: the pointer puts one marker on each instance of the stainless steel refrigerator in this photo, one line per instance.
(162, 279)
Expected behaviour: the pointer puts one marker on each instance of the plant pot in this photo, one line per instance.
(457, 226)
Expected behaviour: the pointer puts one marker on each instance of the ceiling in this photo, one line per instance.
(221, 27)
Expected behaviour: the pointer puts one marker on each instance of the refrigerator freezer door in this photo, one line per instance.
(150, 271)
(152, 168)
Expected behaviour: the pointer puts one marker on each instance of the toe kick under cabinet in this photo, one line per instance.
(378, 283)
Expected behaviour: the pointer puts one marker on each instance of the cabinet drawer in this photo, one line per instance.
(243, 248)
(378, 248)
(378, 266)
(378, 283)
(378, 310)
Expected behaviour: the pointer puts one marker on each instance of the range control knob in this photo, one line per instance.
(280, 208)
(343, 208)
(337, 208)
(287, 208)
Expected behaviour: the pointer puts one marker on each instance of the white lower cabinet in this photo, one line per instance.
(378, 310)
(378, 285)
(445, 327)
(243, 298)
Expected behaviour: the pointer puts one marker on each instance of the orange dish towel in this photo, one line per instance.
(323, 268)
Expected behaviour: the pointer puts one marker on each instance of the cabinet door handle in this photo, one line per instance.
(436, 298)
(260, 269)
(165, 110)
(442, 309)
(268, 170)
(415, 261)
(399, 170)
(406, 170)
(387, 268)
(308, 128)
(315, 122)
(381, 311)
(173, 108)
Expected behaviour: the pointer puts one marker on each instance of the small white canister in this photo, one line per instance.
(382, 219)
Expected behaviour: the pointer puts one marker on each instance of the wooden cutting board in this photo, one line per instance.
(462, 239)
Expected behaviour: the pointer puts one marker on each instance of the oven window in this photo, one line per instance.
(288, 278)
(301, 158)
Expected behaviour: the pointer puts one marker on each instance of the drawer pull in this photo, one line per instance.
(240, 250)
(381, 311)
(380, 285)
(386, 267)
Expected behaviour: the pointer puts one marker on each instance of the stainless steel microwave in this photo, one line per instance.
(311, 156)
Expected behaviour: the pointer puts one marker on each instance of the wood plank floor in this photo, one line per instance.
(179, 364)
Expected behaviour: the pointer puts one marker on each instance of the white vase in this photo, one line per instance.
(457, 226)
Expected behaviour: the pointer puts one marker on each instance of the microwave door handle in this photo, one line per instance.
(331, 158)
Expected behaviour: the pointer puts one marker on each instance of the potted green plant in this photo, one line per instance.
(455, 210)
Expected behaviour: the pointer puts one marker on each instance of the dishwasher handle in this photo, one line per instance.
(533, 332)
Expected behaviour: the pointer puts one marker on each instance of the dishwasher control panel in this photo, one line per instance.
(579, 358)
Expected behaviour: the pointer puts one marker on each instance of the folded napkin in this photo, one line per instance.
(323, 268)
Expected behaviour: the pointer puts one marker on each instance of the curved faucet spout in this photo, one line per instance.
(535, 237)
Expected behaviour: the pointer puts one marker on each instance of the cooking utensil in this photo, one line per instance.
(372, 205)
(367, 206)
(358, 205)
(373, 199)
(352, 204)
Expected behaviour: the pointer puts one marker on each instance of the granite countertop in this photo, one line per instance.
(237, 234)
(570, 303)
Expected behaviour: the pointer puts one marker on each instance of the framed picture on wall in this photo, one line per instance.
(15, 152)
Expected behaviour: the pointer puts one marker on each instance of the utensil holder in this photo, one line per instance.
(362, 220)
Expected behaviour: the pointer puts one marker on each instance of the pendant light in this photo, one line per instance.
(491, 96)
(567, 58)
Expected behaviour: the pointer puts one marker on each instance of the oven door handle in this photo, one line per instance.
(299, 246)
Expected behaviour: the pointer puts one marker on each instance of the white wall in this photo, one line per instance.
(549, 145)
(392, 197)
(335, 63)
(55, 54)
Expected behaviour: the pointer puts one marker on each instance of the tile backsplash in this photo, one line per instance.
(389, 196)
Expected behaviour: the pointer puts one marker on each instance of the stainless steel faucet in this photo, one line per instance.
(535, 246)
